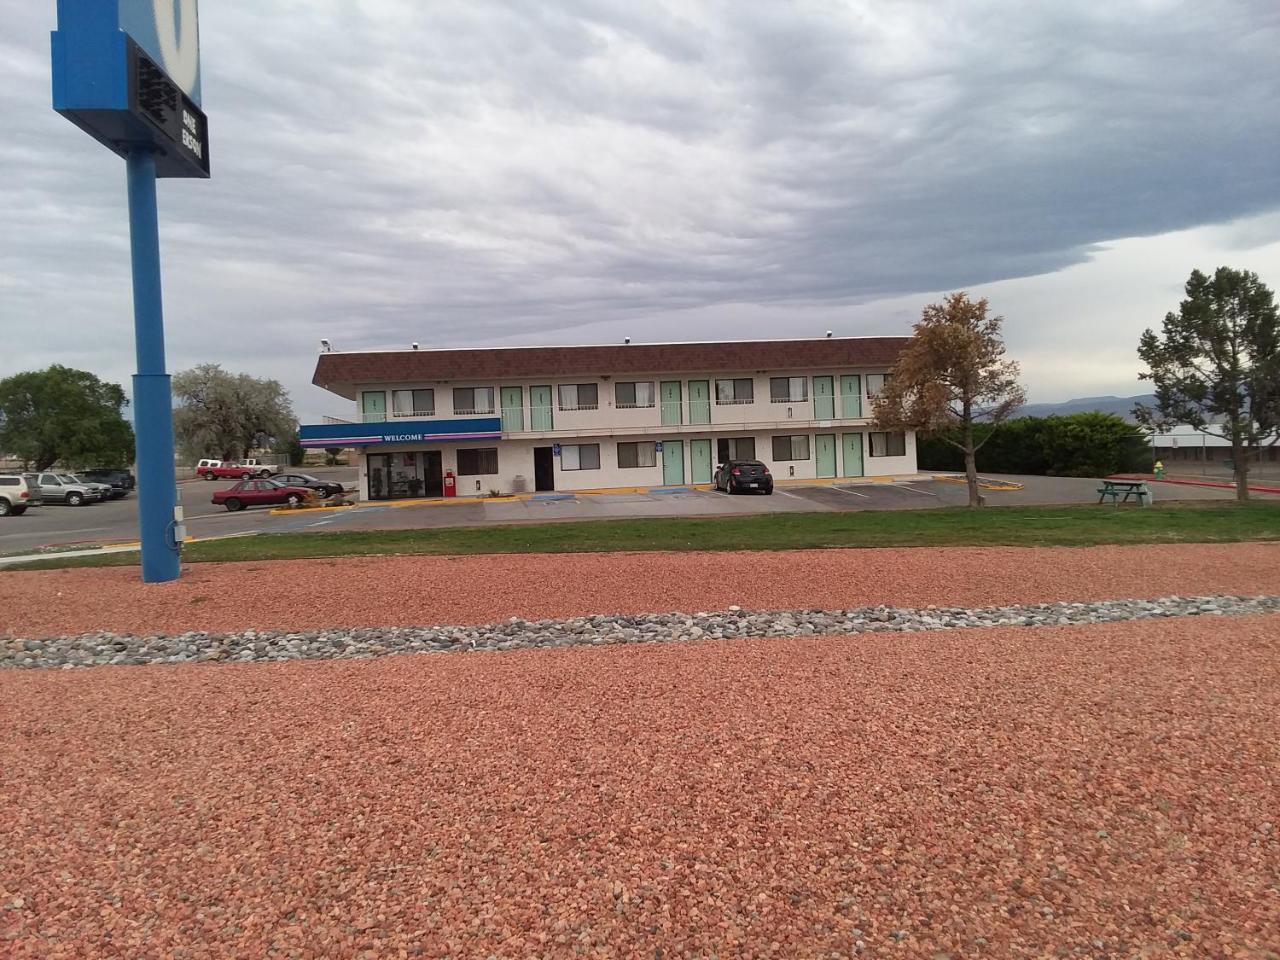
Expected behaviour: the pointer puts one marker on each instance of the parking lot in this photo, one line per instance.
(57, 525)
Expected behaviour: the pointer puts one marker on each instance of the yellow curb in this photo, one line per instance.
(276, 510)
(984, 484)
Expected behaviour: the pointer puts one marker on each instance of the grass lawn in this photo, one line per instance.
(1015, 526)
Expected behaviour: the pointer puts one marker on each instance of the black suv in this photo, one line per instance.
(121, 481)
(736, 476)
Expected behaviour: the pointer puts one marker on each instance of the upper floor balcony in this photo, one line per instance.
(538, 415)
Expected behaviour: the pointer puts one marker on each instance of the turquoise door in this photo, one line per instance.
(699, 401)
(700, 461)
(671, 398)
(512, 409)
(851, 396)
(825, 450)
(373, 406)
(852, 455)
(824, 401)
(672, 462)
(540, 409)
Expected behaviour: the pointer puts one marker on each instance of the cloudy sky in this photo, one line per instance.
(576, 171)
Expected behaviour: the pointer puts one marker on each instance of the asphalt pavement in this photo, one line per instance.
(57, 525)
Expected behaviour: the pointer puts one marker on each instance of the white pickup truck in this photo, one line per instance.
(235, 470)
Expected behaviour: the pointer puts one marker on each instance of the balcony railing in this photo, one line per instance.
(540, 418)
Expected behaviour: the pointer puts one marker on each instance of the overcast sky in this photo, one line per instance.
(482, 172)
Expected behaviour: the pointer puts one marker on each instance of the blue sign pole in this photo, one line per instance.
(153, 405)
(127, 72)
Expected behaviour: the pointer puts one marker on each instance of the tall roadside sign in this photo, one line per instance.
(127, 72)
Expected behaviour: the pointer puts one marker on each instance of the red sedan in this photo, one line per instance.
(253, 493)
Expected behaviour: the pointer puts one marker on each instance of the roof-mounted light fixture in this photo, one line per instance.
(324, 345)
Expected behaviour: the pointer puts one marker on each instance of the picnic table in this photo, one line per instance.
(1129, 488)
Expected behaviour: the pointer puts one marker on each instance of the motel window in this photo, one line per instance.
(580, 456)
(478, 463)
(637, 455)
(788, 389)
(739, 390)
(791, 447)
(413, 403)
(888, 444)
(473, 400)
(579, 396)
(630, 395)
(735, 448)
(875, 384)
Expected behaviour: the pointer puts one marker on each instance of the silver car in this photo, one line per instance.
(103, 489)
(57, 489)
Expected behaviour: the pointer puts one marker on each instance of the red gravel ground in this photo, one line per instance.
(1104, 791)
(395, 591)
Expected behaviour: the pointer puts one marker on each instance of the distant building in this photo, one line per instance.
(578, 418)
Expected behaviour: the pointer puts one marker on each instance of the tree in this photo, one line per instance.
(1216, 365)
(331, 455)
(226, 415)
(67, 415)
(291, 449)
(951, 376)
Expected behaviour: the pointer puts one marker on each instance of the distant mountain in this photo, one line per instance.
(1120, 406)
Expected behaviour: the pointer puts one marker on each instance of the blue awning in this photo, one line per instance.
(399, 431)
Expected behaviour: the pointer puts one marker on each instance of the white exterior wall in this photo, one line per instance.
(609, 425)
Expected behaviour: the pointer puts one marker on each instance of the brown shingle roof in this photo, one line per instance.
(339, 372)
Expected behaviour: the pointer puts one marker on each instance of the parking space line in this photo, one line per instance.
(923, 493)
(852, 493)
(785, 494)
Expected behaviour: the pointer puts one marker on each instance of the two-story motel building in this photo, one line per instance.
(593, 417)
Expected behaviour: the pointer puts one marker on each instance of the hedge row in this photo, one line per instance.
(1079, 445)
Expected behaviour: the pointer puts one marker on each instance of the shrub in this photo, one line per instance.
(1079, 445)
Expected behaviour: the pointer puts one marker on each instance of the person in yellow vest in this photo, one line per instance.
(1159, 470)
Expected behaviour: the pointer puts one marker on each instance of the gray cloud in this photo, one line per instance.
(464, 173)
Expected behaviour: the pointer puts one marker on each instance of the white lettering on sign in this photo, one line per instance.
(191, 143)
(189, 121)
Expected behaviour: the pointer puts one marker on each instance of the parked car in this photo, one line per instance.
(242, 469)
(17, 493)
(57, 489)
(735, 476)
(324, 488)
(121, 481)
(254, 493)
(103, 490)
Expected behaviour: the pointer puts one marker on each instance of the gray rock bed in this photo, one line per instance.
(100, 649)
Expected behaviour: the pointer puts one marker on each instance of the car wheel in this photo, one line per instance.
(232, 505)
(207, 476)
(75, 499)
(730, 488)
(16, 511)
(5, 509)
(264, 474)
(293, 499)
(246, 476)
(769, 492)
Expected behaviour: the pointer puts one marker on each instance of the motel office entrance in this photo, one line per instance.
(401, 476)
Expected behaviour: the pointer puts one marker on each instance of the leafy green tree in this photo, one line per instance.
(291, 449)
(952, 375)
(64, 415)
(331, 455)
(1216, 365)
(226, 415)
